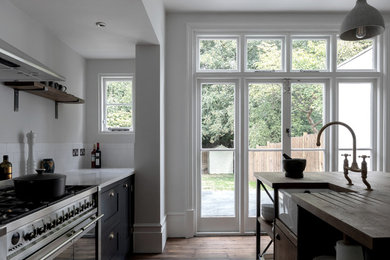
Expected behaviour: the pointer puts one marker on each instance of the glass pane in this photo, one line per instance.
(264, 54)
(265, 115)
(119, 116)
(355, 103)
(309, 54)
(314, 160)
(217, 196)
(307, 115)
(218, 54)
(218, 115)
(355, 55)
(359, 160)
(118, 92)
(261, 162)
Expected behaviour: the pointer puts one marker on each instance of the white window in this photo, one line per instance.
(117, 108)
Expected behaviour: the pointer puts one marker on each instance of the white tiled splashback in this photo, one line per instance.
(113, 155)
(61, 153)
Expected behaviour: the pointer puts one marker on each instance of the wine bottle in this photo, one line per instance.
(5, 169)
(93, 157)
(98, 157)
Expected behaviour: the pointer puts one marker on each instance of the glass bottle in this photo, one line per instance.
(93, 157)
(98, 156)
(6, 169)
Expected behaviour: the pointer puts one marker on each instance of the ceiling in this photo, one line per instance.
(269, 5)
(73, 21)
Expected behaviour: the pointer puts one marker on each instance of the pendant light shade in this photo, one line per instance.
(362, 22)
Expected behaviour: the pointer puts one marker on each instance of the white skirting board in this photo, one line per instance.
(150, 237)
(181, 224)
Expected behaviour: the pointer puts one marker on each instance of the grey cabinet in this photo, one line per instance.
(117, 205)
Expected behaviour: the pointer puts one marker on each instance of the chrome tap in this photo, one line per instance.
(354, 166)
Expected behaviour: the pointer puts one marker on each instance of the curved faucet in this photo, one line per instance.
(354, 166)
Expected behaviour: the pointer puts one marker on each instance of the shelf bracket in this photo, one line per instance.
(16, 100)
(56, 109)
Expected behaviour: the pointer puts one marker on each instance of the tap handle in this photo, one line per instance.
(364, 157)
(345, 155)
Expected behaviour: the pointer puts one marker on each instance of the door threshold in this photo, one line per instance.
(214, 234)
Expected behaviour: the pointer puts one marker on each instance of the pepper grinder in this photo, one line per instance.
(30, 159)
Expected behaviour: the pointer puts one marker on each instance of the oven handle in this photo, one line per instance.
(73, 236)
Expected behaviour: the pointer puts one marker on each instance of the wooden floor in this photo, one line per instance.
(232, 247)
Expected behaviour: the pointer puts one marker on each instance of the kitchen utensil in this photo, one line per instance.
(294, 167)
(40, 186)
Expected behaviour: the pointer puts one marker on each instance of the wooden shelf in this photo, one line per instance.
(39, 89)
(266, 226)
(42, 90)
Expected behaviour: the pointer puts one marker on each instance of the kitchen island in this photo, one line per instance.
(325, 217)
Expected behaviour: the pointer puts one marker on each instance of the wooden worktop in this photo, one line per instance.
(362, 215)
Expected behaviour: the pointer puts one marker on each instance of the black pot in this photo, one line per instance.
(40, 187)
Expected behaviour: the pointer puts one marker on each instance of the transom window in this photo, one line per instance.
(117, 104)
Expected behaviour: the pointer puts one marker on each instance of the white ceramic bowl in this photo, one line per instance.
(268, 212)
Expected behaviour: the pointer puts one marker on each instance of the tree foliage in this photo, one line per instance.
(119, 111)
(218, 115)
(218, 54)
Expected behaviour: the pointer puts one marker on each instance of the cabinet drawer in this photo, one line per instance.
(284, 248)
(109, 203)
(110, 242)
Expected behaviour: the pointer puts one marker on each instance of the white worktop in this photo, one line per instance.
(101, 177)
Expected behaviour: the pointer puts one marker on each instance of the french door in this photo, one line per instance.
(244, 126)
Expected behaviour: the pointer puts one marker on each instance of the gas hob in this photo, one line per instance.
(12, 208)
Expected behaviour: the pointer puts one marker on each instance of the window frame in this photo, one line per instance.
(103, 78)
(375, 49)
(331, 75)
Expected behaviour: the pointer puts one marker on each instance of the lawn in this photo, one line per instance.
(221, 182)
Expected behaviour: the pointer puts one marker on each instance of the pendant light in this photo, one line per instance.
(362, 22)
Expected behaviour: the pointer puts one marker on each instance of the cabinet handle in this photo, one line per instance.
(125, 185)
(111, 236)
(277, 236)
(112, 194)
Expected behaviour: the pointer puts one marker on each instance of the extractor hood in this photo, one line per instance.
(16, 65)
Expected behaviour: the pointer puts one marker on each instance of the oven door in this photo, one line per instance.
(78, 243)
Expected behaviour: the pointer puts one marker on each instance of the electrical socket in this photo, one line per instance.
(75, 152)
(82, 151)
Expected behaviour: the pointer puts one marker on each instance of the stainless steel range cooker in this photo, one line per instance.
(48, 229)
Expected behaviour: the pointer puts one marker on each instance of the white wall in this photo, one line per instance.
(55, 137)
(117, 149)
(180, 182)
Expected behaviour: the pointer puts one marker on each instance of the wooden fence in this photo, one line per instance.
(264, 161)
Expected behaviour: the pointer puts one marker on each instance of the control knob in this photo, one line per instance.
(15, 238)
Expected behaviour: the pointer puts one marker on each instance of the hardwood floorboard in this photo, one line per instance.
(222, 247)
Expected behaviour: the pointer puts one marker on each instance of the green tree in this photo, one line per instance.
(218, 54)
(119, 111)
(264, 114)
(217, 115)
